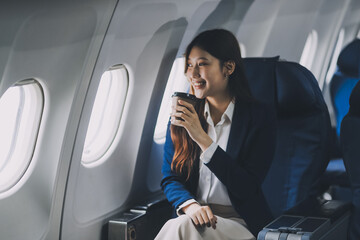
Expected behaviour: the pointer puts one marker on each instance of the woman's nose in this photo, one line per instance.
(195, 72)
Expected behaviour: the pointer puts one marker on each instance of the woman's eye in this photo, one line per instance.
(189, 65)
(202, 64)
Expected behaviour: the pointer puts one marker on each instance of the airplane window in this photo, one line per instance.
(106, 114)
(177, 82)
(21, 108)
(337, 50)
(242, 50)
(310, 47)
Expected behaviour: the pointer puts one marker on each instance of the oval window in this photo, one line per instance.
(21, 107)
(334, 58)
(106, 114)
(176, 82)
(309, 50)
(242, 50)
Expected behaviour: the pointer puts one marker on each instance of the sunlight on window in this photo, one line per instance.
(242, 50)
(335, 56)
(308, 54)
(106, 114)
(21, 109)
(9, 104)
(177, 82)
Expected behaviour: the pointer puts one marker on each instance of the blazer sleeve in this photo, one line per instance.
(243, 176)
(172, 184)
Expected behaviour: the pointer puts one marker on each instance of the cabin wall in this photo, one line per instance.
(37, 42)
(67, 46)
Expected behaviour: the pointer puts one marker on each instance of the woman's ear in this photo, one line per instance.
(229, 67)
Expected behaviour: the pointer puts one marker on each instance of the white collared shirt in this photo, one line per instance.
(210, 189)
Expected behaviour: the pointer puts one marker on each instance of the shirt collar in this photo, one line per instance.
(228, 114)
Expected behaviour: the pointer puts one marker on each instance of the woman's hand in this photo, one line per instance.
(190, 121)
(200, 215)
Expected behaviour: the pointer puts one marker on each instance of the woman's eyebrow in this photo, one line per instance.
(200, 58)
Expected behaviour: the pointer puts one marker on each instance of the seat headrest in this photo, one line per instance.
(355, 100)
(295, 90)
(288, 86)
(349, 59)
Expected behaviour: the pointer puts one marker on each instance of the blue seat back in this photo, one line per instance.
(350, 144)
(344, 80)
(303, 129)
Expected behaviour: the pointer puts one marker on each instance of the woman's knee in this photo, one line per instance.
(183, 221)
(179, 224)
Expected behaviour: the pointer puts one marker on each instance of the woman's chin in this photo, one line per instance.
(199, 95)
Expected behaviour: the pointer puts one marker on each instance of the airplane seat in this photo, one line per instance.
(303, 129)
(344, 80)
(341, 85)
(350, 143)
(301, 154)
(291, 186)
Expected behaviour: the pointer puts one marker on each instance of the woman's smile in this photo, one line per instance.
(205, 74)
(198, 84)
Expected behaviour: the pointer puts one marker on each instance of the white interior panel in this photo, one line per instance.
(41, 45)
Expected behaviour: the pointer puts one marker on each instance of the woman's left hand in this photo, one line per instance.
(190, 121)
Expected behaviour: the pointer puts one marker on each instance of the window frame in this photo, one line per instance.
(309, 50)
(101, 154)
(173, 84)
(29, 133)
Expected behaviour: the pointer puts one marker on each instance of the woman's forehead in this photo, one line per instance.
(197, 53)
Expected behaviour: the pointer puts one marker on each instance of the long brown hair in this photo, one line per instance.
(223, 45)
(186, 150)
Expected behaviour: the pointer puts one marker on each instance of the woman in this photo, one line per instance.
(217, 155)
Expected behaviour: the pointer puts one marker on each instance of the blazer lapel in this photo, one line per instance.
(239, 128)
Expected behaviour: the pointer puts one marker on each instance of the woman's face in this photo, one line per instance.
(206, 75)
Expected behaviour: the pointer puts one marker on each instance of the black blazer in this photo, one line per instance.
(242, 168)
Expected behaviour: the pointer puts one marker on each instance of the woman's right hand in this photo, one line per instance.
(200, 215)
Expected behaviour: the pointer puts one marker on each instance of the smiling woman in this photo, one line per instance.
(206, 73)
(210, 178)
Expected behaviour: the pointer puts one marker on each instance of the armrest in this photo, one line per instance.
(142, 221)
(311, 219)
(156, 201)
(314, 207)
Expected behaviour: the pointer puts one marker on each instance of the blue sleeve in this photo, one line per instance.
(172, 184)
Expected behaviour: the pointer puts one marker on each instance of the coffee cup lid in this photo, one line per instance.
(184, 95)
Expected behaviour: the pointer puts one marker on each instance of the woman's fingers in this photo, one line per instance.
(182, 109)
(194, 219)
(182, 116)
(187, 105)
(203, 216)
(212, 218)
(200, 219)
(177, 122)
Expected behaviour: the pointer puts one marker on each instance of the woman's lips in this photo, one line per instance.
(199, 84)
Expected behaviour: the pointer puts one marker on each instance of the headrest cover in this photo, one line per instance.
(261, 76)
(296, 93)
(349, 59)
(355, 100)
(287, 86)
